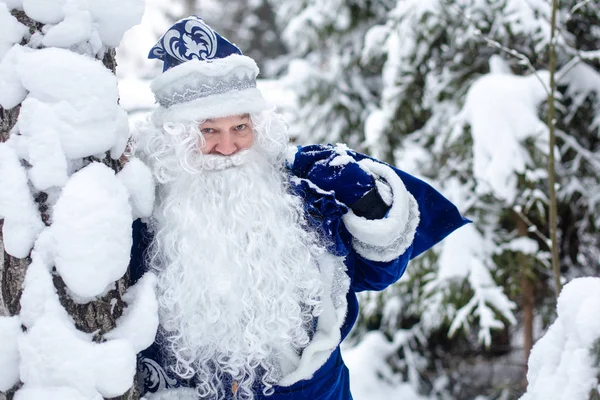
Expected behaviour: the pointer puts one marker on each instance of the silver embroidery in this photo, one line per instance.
(155, 377)
(198, 90)
(198, 41)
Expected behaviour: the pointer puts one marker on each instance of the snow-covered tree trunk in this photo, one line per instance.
(69, 325)
(97, 317)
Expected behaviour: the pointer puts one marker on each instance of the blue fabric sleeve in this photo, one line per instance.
(373, 275)
(438, 218)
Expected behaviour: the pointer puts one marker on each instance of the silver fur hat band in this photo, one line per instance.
(198, 90)
(204, 87)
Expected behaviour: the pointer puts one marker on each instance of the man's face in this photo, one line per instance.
(228, 135)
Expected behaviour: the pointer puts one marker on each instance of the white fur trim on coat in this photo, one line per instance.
(172, 394)
(386, 238)
(327, 337)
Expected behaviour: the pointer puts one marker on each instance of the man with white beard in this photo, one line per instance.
(260, 249)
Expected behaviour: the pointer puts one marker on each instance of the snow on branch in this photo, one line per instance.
(561, 365)
(461, 257)
(502, 105)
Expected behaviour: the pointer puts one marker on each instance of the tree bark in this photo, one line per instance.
(98, 316)
(527, 297)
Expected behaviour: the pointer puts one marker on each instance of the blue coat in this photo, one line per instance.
(438, 218)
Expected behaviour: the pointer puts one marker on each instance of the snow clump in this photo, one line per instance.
(22, 222)
(11, 30)
(92, 231)
(561, 365)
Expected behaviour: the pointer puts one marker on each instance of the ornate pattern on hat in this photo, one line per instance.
(213, 86)
(204, 75)
(188, 39)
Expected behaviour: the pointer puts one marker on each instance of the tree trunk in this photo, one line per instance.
(96, 317)
(552, 219)
(527, 296)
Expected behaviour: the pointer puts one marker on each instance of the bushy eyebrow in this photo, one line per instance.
(241, 117)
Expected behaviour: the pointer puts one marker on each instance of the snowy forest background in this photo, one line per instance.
(453, 91)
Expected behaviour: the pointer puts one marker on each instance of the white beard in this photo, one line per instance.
(238, 283)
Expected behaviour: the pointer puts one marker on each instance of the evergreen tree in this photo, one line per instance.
(454, 91)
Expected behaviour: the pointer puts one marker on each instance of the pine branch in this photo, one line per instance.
(523, 59)
(576, 8)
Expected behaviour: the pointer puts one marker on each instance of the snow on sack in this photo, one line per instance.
(561, 365)
(92, 231)
(10, 329)
(75, 96)
(22, 222)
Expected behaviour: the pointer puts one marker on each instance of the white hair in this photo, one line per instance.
(174, 146)
(239, 286)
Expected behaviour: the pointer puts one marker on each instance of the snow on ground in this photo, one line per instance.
(371, 378)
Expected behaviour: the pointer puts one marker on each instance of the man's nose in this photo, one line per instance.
(226, 145)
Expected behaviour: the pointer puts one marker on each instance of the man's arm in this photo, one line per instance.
(388, 216)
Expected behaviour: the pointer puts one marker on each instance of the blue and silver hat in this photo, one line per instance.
(204, 75)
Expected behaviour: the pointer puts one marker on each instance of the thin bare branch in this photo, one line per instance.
(531, 227)
(552, 220)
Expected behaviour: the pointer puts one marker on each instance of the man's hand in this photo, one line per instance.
(332, 168)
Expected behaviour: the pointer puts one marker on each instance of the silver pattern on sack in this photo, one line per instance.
(199, 90)
(154, 376)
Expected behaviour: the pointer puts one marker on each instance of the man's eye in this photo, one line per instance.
(240, 127)
(207, 130)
